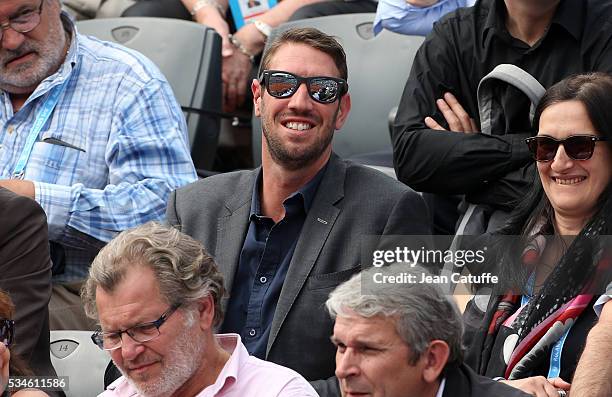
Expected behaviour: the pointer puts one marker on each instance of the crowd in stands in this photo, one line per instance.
(255, 282)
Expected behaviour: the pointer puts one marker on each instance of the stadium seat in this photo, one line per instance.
(74, 355)
(189, 55)
(378, 67)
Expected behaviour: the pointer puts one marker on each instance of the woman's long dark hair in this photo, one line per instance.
(594, 91)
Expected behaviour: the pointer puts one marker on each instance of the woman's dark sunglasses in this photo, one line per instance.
(578, 147)
(322, 89)
(7, 331)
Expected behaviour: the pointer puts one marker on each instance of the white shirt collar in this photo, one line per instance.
(441, 388)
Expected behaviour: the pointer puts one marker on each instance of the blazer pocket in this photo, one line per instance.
(330, 280)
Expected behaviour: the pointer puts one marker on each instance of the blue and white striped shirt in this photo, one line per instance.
(109, 155)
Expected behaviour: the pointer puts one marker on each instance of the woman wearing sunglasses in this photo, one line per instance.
(558, 259)
(11, 366)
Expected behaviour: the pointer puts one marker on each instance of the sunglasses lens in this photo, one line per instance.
(579, 147)
(281, 85)
(324, 90)
(543, 148)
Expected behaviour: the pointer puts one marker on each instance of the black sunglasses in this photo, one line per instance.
(322, 89)
(7, 331)
(578, 147)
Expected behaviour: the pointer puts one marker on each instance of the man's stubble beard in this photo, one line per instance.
(292, 161)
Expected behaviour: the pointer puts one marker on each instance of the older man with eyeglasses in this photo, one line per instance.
(91, 131)
(157, 296)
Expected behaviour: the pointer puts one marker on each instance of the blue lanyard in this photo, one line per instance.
(530, 287)
(555, 354)
(39, 123)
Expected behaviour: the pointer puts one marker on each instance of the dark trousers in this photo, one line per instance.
(334, 7)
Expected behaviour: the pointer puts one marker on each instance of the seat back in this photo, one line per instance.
(189, 55)
(73, 354)
(378, 67)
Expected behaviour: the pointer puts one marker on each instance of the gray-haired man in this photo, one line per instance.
(402, 340)
(156, 294)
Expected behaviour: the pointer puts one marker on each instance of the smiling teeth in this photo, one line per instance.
(569, 181)
(298, 126)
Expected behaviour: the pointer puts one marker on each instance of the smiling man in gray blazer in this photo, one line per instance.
(284, 235)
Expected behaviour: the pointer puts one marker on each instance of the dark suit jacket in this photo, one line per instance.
(25, 273)
(351, 201)
(461, 381)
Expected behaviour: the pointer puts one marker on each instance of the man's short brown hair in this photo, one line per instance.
(313, 38)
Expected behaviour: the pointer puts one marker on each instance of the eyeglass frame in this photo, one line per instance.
(593, 139)
(7, 326)
(98, 337)
(8, 23)
(264, 79)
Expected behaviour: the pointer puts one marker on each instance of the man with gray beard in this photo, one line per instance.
(284, 235)
(157, 296)
(88, 129)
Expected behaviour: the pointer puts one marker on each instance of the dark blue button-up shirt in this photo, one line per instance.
(264, 261)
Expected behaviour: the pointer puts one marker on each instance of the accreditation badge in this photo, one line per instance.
(244, 11)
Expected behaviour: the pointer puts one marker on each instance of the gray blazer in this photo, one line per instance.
(351, 201)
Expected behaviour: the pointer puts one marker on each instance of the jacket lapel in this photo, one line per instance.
(232, 227)
(317, 226)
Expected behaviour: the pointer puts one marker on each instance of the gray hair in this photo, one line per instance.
(422, 312)
(184, 270)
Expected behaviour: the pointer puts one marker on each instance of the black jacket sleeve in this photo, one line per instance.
(443, 161)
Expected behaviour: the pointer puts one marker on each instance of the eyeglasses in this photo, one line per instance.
(141, 333)
(322, 89)
(578, 147)
(24, 22)
(7, 331)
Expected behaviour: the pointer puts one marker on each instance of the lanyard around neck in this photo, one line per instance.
(555, 355)
(39, 123)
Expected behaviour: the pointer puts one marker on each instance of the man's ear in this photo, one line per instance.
(435, 358)
(206, 308)
(343, 111)
(256, 90)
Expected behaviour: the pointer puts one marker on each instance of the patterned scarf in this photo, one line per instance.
(521, 338)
